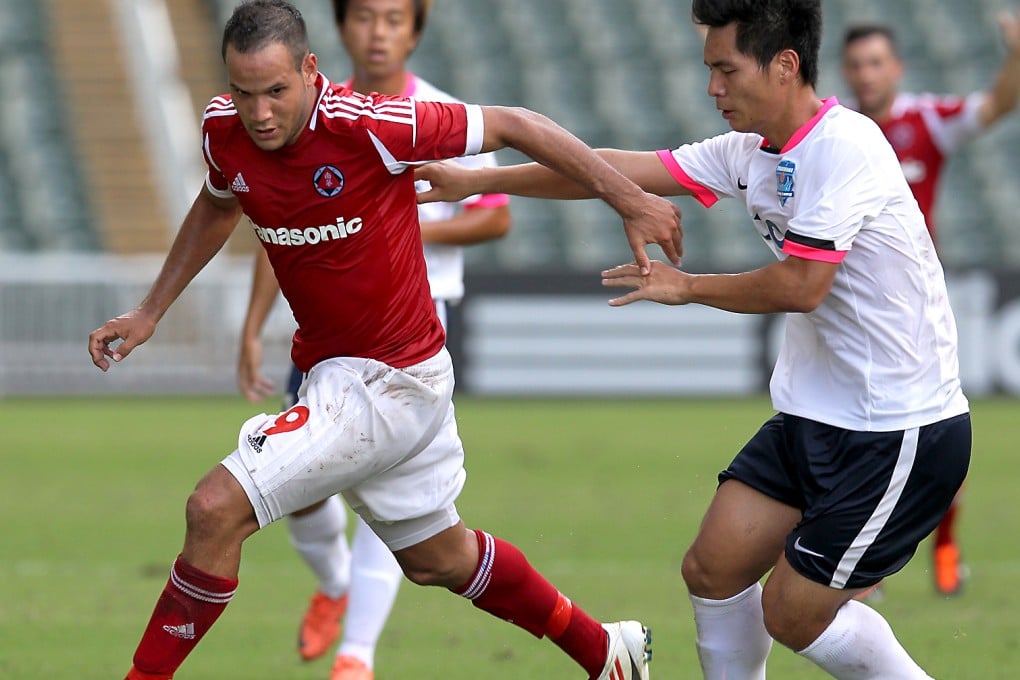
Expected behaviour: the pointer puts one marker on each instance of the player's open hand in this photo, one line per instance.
(451, 182)
(663, 283)
(129, 330)
(655, 220)
(253, 385)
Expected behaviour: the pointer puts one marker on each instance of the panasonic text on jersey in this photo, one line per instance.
(297, 236)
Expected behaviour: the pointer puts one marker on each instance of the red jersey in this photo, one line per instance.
(336, 212)
(923, 130)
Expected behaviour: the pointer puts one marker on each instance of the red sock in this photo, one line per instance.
(507, 586)
(191, 602)
(944, 531)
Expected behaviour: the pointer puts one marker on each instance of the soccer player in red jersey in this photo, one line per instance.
(923, 130)
(358, 581)
(323, 175)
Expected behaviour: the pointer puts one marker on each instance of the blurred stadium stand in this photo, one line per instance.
(42, 198)
(76, 173)
(626, 74)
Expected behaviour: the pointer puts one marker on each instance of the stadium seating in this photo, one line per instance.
(629, 74)
(42, 200)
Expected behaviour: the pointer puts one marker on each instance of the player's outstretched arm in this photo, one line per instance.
(453, 182)
(204, 231)
(647, 219)
(791, 285)
(253, 384)
(1005, 91)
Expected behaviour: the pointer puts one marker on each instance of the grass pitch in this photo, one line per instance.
(603, 497)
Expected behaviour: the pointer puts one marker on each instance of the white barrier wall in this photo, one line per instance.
(49, 305)
(514, 335)
(546, 341)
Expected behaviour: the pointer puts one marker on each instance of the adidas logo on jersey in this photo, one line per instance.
(185, 631)
(284, 236)
(238, 186)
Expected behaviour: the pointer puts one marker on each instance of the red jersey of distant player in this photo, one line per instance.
(337, 214)
(924, 130)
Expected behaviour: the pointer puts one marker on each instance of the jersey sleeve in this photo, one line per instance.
(952, 121)
(406, 133)
(215, 181)
(710, 169)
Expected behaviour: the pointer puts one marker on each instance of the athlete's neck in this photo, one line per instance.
(799, 110)
(394, 84)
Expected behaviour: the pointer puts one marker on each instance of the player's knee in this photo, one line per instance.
(701, 579)
(212, 510)
(438, 572)
(426, 566)
(203, 508)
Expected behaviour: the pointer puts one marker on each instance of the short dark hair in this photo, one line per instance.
(767, 27)
(857, 32)
(421, 12)
(258, 23)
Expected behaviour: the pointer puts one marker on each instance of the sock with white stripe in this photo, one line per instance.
(375, 579)
(320, 538)
(860, 645)
(732, 640)
(191, 602)
(507, 586)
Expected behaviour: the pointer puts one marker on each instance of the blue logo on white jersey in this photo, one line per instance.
(784, 180)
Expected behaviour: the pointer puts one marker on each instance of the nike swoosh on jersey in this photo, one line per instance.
(394, 166)
(741, 185)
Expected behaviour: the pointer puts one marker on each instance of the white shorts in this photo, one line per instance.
(385, 438)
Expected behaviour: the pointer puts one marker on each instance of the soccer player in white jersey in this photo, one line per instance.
(872, 435)
(361, 579)
(322, 174)
(924, 129)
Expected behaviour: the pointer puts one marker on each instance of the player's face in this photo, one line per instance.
(273, 98)
(746, 94)
(872, 71)
(379, 35)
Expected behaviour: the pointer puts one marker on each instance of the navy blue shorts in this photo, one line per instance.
(868, 498)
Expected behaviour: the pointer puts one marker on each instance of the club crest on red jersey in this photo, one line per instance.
(328, 181)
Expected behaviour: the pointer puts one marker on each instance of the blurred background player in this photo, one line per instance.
(362, 579)
(924, 130)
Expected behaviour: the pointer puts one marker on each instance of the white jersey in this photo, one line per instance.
(879, 353)
(445, 263)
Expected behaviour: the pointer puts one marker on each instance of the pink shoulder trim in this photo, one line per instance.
(701, 193)
(817, 254)
(489, 201)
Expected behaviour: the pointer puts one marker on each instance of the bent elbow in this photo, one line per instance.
(501, 225)
(805, 302)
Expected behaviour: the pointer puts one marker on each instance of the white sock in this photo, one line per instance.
(860, 645)
(321, 540)
(375, 579)
(732, 640)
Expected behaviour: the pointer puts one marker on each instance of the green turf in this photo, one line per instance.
(603, 496)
